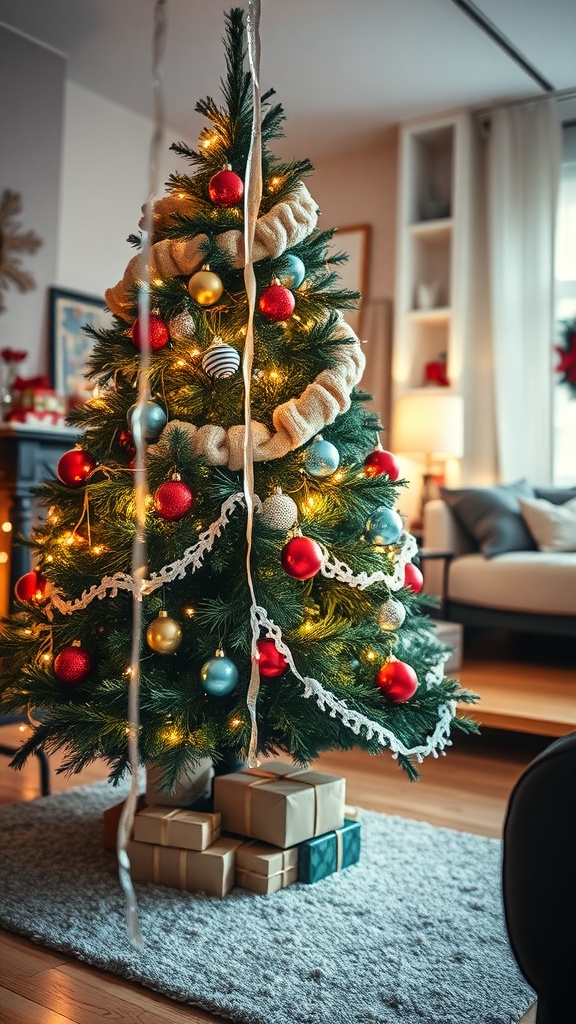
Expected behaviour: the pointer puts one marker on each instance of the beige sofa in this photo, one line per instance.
(529, 590)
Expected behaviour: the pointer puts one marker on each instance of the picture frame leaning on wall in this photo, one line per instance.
(70, 346)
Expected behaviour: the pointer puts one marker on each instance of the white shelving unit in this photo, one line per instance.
(433, 241)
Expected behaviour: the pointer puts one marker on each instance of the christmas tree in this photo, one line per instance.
(313, 596)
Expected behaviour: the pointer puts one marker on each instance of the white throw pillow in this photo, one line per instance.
(552, 526)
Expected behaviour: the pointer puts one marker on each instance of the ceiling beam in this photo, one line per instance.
(479, 18)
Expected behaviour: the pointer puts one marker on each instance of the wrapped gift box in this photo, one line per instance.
(166, 826)
(36, 394)
(210, 871)
(351, 813)
(264, 869)
(111, 820)
(324, 855)
(280, 804)
(194, 784)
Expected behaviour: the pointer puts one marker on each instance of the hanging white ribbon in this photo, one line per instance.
(139, 554)
(252, 197)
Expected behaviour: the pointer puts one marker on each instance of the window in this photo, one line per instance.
(564, 403)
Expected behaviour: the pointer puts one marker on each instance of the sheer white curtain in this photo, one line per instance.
(524, 156)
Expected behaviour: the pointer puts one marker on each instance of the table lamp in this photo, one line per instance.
(431, 425)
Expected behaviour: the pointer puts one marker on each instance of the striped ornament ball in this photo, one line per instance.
(220, 360)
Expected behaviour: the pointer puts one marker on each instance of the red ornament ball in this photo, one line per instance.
(379, 461)
(413, 578)
(30, 587)
(225, 188)
(73, 665)
(126, 441)
(301, 558)
(271, 662)
(276, 303)
(173, 500)
(74, 467)
(398, 681)
(158, 334)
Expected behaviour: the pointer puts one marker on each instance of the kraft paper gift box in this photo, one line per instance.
(210, 871)
(265, 869)
(280, 804)
(111, 820)
(176, 826)
(193, 784)
(325, 855)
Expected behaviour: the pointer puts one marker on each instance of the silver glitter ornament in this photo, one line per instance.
(391, 615)
(182, 326)
(279, 512)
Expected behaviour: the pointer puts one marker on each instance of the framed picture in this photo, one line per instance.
(70, 346)
(354, 240)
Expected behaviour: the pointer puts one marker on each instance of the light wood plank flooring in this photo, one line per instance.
(468, 790)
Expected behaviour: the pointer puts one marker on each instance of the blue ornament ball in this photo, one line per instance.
(322, 458)
(220, 360)
(293, 271)
(219, 676)
(154, 420)
(384, 526)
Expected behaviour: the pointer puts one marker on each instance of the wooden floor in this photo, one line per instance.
(467, 790)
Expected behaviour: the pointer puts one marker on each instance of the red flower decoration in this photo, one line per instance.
(567, 356)
(13, 355)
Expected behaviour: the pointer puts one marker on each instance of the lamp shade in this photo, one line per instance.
(431, 423)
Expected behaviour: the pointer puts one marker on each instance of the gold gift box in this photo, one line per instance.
(210, 871)
(280, 804)
(265, 869)
(187, 830)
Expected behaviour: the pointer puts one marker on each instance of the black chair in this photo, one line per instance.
(11, 751)
(539, 879)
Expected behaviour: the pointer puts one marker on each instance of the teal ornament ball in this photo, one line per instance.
(219, 676)
(153, 421)
(292, 271)
(384, 526)
(220, 360)
(322, 458)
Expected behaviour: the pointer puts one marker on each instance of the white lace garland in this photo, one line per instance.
(355, 720)
(331, 568)
(173, 571)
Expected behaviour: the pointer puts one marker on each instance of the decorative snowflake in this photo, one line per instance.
(12, 241)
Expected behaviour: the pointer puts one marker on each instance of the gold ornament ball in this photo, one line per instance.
(205, 287)
(164, 635)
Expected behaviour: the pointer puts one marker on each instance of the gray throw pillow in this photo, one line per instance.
(492, 516)
(556, 495)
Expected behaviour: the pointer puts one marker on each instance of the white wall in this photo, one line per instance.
(105, 168)
(32, 88)
(359, 187)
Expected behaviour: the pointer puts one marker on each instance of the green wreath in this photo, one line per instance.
(567, 353)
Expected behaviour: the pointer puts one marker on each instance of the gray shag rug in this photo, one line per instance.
(413, 934)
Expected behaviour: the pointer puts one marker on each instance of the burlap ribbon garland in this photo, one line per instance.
(286, 224)
(295, 421)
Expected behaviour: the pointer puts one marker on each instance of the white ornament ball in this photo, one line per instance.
(220, 360)
(279, 512)
(182, 326)
(391, 615)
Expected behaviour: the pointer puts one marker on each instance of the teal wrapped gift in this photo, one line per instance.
(334, 851)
